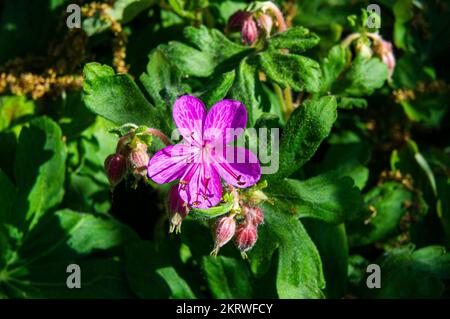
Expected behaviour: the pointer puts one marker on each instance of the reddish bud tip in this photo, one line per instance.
(246, 236)
(237, 19)
(115, 168)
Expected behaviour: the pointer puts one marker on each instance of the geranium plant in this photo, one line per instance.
(224, 149)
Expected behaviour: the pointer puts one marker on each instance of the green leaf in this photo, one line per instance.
(299, 272)
(332, 66)
(296, 39)
(40, 181)
(162, 80)
(247, 89)
(331, 241)
(363, 77)
(305, 130)
(213, 52)
(178, 286)
(327, 197)
(67, 237)
(13, 109)
(349, 103)
(148, 275)
(296, 71)
(413, 274)
(388, 200)
(70, 233)
(117, 98)
(122, 11)
(218, 88)
(228, 278)
(7, 198)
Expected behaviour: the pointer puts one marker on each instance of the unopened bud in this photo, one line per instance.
(177, 209)
(257, 215)
(265, 22)
(246, 236)
(249, 31)
(138, 160)
(225, 230)
(256, 197)
(384, 50)
(363, 49)
(115, 168)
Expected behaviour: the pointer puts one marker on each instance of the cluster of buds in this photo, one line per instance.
(131, 156)
(376, 46)
(257, 19)
(242, 223)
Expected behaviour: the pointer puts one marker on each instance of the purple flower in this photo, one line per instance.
(203, 156)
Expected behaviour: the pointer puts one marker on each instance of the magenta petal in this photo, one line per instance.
(188, 115)
(222, 119)
(200, 186)
(238, 166)
(170, 163)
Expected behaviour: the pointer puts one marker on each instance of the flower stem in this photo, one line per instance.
(288, 101)
(280, 97)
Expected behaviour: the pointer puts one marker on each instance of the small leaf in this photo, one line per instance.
(363, 77)
(218, 88)
(296, 39)
(299, 72)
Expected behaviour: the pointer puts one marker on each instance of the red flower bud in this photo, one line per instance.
(246, 236)
(176, 209)
(138, 160)
(249, 31)
(257, 215)
(225, 229)
(115, 168)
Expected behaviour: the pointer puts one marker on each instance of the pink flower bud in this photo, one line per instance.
(246, 236)
(265, 22)
(115, 168)
(225, 229)
(138, 160)
(249, 31)
(177, 209)
(385, 51)
(257, 215)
